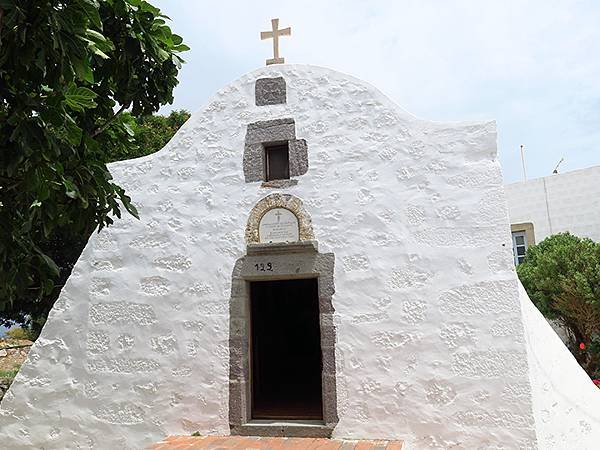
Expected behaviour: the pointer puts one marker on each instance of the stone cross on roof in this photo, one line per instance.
(275, 33)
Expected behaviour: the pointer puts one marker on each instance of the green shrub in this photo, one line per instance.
(11, 373)
(561, 275)
(20, 333)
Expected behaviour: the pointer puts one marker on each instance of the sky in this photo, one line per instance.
(533, 66)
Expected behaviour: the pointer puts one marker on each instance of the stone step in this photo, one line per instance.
(270, 443)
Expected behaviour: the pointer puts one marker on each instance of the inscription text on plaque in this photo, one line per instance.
(278, 225)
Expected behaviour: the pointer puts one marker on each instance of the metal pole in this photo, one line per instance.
(523, 162)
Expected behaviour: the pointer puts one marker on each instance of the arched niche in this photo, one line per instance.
(278, 201)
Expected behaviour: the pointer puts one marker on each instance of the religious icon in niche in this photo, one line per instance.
(278, 225)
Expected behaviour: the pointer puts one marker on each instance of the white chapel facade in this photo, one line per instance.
(310, 260)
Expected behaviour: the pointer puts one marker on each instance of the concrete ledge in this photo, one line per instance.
(288, 428)
(282, 247)
(279, 184)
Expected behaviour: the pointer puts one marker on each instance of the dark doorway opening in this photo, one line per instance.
(286, 350)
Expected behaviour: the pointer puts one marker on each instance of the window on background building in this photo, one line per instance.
(277, 162)
(519, 241)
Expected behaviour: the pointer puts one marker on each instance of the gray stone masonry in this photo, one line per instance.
(266, 131)
(259, 134)
(270, 91)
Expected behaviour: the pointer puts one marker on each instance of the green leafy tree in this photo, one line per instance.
(561, 275)
(68, 70)
(148, 133)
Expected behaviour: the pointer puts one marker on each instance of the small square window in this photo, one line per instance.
(277, 162)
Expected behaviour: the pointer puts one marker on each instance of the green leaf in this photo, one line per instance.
(73, 132)
(128, 129)
(83, 70)
(91, 10)
(98, 43)
(79, 98)
(95, 36)
(53, 116)
(181, 48)
(50, 264)
(126, 200)
(48, 286)
(70, 189)
(146, 7)
(162, 55)
(99, 52)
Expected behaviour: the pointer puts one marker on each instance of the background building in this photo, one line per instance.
(544, 206)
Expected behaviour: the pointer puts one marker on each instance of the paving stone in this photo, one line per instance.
(270, 443)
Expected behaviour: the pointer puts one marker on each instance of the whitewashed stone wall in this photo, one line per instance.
(566, 403)
(429, 329)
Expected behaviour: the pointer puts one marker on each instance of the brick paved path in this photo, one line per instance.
(269, 443)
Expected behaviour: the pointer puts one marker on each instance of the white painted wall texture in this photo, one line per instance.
(561, 202)
(566, 403)
(430, 340)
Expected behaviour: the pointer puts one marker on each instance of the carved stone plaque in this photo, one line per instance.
(278, 225)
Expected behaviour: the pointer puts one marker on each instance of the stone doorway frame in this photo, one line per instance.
(267, 262)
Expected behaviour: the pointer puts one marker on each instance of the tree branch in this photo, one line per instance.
(108, 122)
(16, 346)
(37, 288)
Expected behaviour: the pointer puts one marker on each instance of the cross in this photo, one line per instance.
(278, 215)
(275, 33)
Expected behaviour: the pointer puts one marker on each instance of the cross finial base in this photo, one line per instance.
(275, 61)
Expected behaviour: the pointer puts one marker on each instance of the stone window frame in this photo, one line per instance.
(289, 261)
(271, 132)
